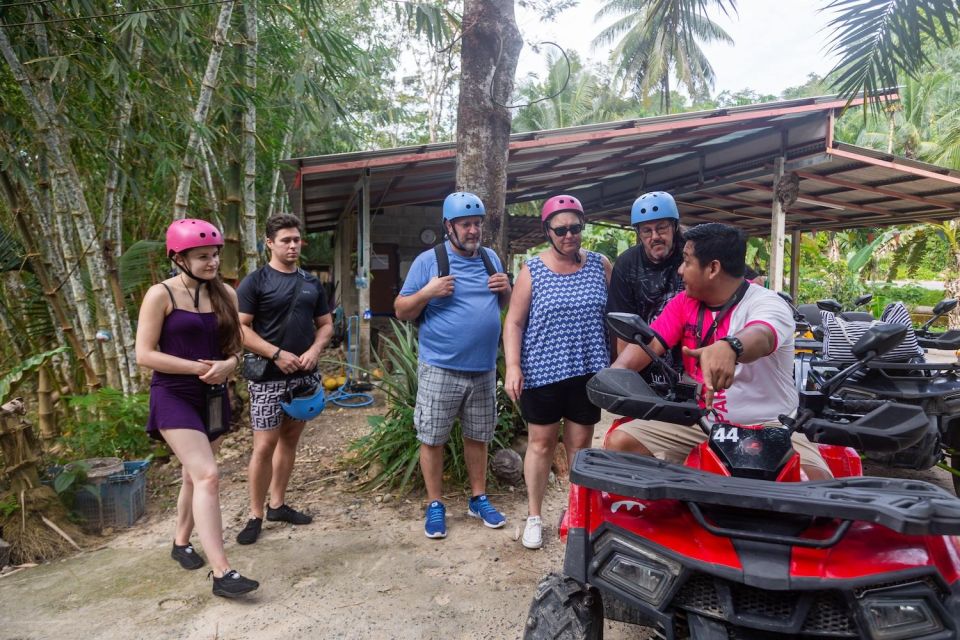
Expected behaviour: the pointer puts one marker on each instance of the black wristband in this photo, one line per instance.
(276, 356)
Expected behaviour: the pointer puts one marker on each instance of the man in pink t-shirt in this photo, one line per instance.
(737, 341)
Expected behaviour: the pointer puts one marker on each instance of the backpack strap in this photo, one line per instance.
(487, 262)
(443, 260)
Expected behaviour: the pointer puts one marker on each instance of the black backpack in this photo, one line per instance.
(443, 266)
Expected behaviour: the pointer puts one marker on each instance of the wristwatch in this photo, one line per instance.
(276, 356)
(735, 343)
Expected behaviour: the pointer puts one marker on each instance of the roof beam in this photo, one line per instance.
(879, 190)
(896, 166)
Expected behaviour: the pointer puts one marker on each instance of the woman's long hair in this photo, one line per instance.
(228, 319)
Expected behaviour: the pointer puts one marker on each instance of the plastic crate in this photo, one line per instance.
(123, 498)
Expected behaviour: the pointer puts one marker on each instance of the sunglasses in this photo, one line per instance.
(575, 229)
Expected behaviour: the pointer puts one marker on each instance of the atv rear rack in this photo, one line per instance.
(909, 507)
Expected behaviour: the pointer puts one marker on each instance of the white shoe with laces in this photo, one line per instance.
(533, 533)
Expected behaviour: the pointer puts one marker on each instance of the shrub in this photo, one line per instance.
(390, 453)
(108, 424)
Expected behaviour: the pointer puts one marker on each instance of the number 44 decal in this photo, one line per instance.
(731, 434)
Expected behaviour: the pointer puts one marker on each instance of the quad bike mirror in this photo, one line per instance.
(829, 304)
(786, 296)
(862, 300)
(878, 340)
(630, 327)
(945, 306)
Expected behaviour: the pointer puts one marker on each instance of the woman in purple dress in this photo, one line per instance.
(189, 335)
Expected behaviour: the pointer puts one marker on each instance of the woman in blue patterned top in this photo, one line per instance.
(554, 340)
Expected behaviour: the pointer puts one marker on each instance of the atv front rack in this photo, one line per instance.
(909, 507)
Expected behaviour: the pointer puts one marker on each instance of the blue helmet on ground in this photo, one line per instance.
(462, 204)
(303, 402)
(656, 205)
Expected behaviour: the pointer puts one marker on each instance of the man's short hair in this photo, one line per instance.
(721, 242)
(280, 221)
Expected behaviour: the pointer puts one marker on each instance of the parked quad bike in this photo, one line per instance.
(732, 545)
(935, 387)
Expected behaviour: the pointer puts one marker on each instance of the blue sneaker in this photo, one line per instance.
(435, 525)
(480, 507)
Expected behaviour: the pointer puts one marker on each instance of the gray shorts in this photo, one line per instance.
(266, 413)
(444, 394)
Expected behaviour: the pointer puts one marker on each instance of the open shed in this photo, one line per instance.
(722, 166)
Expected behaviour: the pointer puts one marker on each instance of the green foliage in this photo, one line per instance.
(9, 506)
(72, 480)
(10, 379)
(876, 40)
(390, 453)
(108, 424)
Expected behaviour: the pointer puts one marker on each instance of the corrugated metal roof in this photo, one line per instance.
(718, 164)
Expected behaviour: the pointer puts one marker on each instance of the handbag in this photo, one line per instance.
(256, 367)
(840, 335)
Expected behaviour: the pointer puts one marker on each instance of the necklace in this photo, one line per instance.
(196, 294)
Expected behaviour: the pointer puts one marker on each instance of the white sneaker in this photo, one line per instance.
(533, 533)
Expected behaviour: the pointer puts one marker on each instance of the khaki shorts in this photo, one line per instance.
(672, 442)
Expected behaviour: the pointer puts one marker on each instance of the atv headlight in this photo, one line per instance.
(641, 572)
(898, 619)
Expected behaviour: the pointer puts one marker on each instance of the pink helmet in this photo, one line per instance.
(559, 204)
(189, 233)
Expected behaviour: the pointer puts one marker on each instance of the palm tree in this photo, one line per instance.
(659, 38)
(877, 40)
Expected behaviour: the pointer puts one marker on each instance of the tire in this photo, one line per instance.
(563, 610)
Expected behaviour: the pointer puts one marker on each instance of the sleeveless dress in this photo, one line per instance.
(565, 335)
(178, 401)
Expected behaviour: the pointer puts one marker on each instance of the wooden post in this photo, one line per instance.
(795, 238)
(363, 272)
(778, 222)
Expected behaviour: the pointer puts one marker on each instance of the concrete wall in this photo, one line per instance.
(402, 226)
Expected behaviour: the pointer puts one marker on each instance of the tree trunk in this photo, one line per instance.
(44, 110)
(488, 62)
(53, 294)
(249, 234)
(275, 194)
(209, 83)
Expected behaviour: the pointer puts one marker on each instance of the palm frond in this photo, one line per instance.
(877, 39)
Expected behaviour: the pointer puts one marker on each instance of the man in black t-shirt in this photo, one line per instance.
(646, 276)
(285, 317)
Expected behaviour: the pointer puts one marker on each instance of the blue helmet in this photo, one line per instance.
(656, 205)
(462, 204)
(303, 402)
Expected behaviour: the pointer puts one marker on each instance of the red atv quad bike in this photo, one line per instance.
(732, 545)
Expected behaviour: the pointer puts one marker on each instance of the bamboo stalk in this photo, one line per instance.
(250, 140)
(209, 83)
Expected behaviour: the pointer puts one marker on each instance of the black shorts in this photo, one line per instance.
(563, 399)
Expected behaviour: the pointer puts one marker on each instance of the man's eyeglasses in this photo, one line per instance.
(575, 229)
(661, 229)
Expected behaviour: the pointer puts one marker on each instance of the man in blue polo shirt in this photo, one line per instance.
(459, 331)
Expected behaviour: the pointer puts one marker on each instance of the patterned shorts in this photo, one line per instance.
(266, 413)
(444, 394)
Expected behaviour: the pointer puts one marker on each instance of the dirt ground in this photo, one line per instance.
(363, 569)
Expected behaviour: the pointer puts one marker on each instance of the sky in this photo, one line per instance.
(766, 56)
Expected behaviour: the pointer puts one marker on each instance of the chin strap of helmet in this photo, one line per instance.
(200, 283)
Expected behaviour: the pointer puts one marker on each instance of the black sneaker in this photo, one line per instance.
(232, 584)
(283, 513)
(187, 556)
(250, 532)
